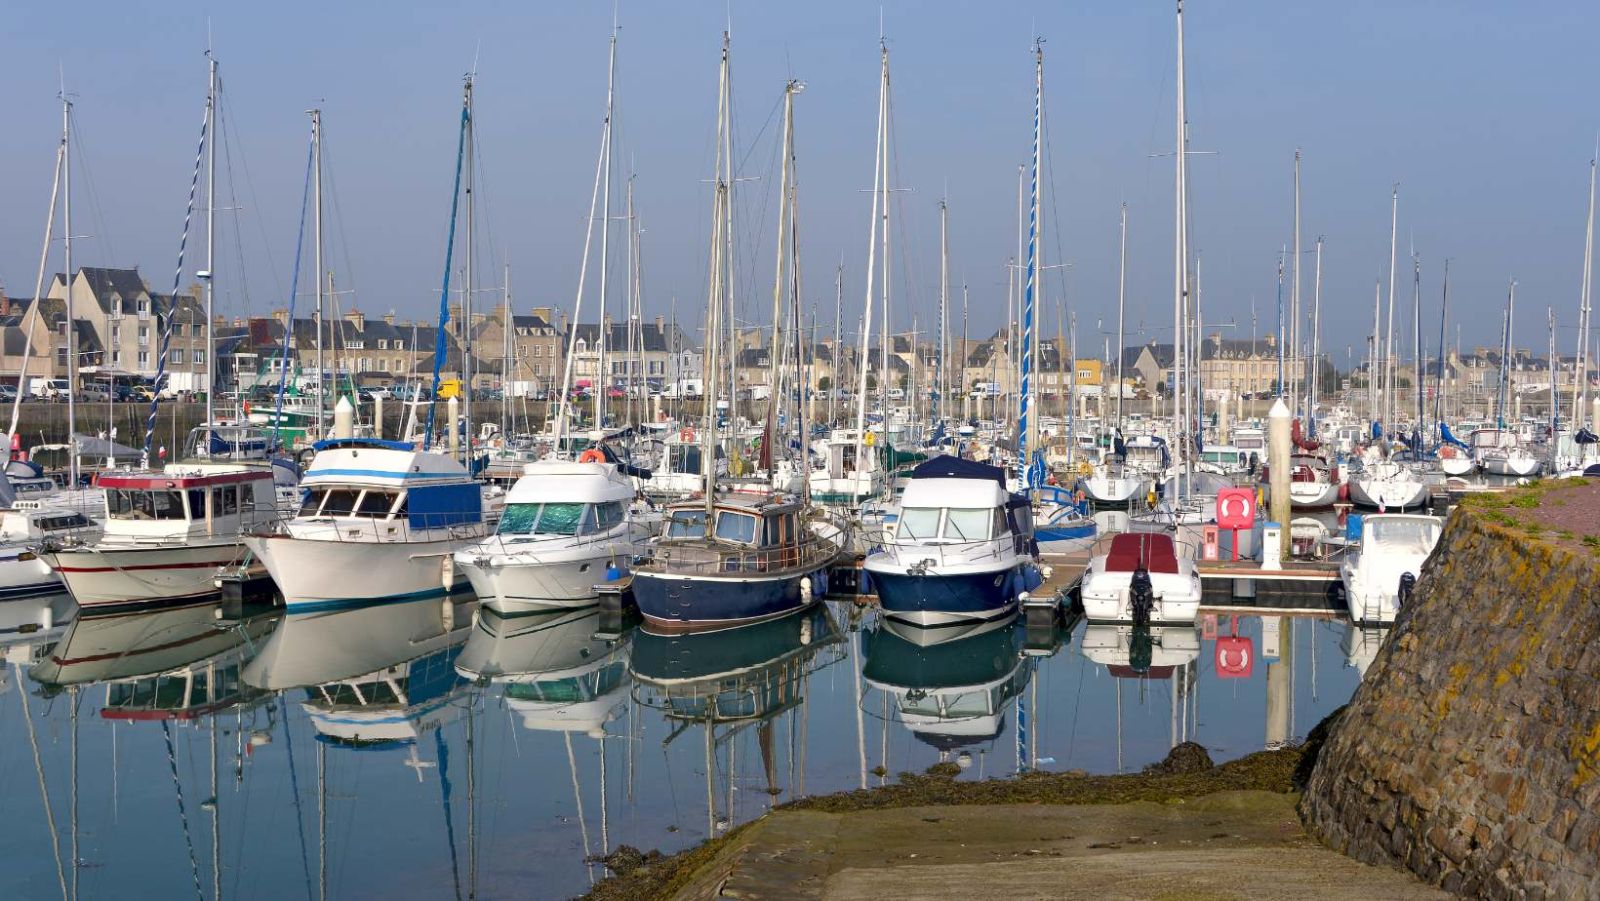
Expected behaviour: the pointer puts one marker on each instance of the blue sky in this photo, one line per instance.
(1483, 113)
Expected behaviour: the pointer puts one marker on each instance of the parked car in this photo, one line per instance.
(8, 393)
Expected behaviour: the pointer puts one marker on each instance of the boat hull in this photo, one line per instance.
(679, 601)
(522, 587)
(108, 579)
(1110, 490)
(317, 574)
(1388, 494)
(1517, 465)
(1313, 495)
(934, 599)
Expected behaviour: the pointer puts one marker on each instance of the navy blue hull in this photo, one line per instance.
(968, 596)
(708, 602)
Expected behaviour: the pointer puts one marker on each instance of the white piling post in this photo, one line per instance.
(377, 416)
(344, 419)
(1279, 450)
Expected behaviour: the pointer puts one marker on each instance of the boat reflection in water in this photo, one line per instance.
(173, 664)
(379, 676)
(1145, 655)
(558, 676)
(28, 627)
(728, 680)
(1361, 644)
(950, 686)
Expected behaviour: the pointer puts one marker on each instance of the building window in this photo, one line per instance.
(61, 356)
(116, 307)
(355, 345)
(383, 365)
(383, 343)
(116, 357)
(144, 336)
(199, 357)
(144, 359)
(399, 344)
(177, 356)
(144, 309)
(116, 333)
(177, 330)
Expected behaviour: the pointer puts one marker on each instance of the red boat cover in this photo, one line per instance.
(1153, 549)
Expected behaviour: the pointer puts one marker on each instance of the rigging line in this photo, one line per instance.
(440, 341)
(255, 201)
(347, 275)
(177, 279)
(87, 174)
(243, 280)
(294, 281)
(183, 816)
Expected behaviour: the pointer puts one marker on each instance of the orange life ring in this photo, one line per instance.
(686, 434)
(591, 455)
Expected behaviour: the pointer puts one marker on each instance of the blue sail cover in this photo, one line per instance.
(948, 467)
(1585, 436)
(1377, 430)
(1447, 437)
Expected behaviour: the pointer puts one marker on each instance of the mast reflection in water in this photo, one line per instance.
(419, 749)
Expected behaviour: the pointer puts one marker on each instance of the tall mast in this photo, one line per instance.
(1416, 336)
(944, 303)
(72, 321)
(466, 306)
(1444, 311)
(1580, 383)
(778, 272)
(1316, 345)
(1374, 377)
(1181, 263)
(1388, 341)
(1122, 287)
(506, 369)
(1024, 422)
(879, 199)
(602, 381)
(1294, 293)
(211, 244)
(316, 190)
(838, 350)
(718, 287)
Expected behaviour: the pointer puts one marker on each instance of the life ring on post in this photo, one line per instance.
(686, 434)
(592, 455)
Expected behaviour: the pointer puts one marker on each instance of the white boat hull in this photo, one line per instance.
(1313, 495)
(315, 574)
(512, 581)
(1388, 494)
(1518, 465)
(1103, 489)
(107, 577)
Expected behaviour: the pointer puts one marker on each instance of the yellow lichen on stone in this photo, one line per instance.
(1586, 754)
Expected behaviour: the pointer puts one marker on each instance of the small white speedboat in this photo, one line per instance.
(1387, 485)
(1381, 574)
(1142, 576)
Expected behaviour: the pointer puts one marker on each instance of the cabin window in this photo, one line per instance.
(608, 515)
(687, 524)
(197, 503)
(340, 502)
(247, 498)
(740, 527)
(225, 501)
(919, 522)
(969, 525)
(541, 519)
(135, 504)
(66, 521)
(376, 504)
(312, 502)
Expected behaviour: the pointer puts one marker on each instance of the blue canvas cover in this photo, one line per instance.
(948, 467)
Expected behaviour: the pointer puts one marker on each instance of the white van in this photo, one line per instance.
(48, 389)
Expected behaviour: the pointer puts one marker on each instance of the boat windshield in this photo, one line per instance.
(740, 527)
(1402, 536)
(687, 524)
(919, 522)
(542, 519)
(122, 503)
(968, 525)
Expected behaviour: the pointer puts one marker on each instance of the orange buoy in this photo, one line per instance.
(592, 455)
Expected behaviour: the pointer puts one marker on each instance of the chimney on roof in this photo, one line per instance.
(455, 317)
(1271, 340)
(544, 313)
(388, 318)
(661, 325)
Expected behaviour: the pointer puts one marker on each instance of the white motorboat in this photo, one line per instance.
(1314, 484)
(381, 522)
(1144, 576)
(1381, 574)
(166, 534)
(844, 481)
(1453, 461)
(32, 489)
(22, 532)
(1388, 485)
(1501, 452)
(566, 527)
(962, 546)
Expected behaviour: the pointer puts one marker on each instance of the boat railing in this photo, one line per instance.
(700, 557)
(952, 552)
(402, 529)
(532, 543)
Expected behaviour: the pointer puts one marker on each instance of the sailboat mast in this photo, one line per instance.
(1181, 262)
(778, 273)
(316, 191)
(838, 355)
(878, 199)
(1122, 296)
(507, 370)
(1295, 372)
(1316, 345)
(944, 303)
(1416, 335)
(602, 380)
(72, 321)
(1374, 379)
(1388, 346)
(718, 289)
(1444, 312)
(1580, 383)
(211, 243)
(467, 289)
(1030, 277)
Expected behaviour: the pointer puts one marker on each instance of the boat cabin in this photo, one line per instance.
(747, 532)
(953, 501)
(227, 440)
(368, 479)
(556, 499)
(188, 501)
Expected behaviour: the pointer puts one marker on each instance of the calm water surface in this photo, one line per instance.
(401, 751)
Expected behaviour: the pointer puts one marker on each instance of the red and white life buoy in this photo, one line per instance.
(686, 434)
(592, 455)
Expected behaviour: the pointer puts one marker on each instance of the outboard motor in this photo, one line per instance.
(1141, 595)
(1408, 587)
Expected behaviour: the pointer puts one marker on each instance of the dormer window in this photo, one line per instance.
(144, 308)
(383, 343)
(399, 344)
(116, 307)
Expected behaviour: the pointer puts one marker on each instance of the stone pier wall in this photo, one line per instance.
(1471, 752)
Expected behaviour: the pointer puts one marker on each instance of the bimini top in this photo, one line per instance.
(389, 464)
(946, 466)
(557, 481)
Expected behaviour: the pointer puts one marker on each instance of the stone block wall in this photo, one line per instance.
(1470, 754)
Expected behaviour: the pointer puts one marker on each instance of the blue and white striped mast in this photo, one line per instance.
(1032, 273)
